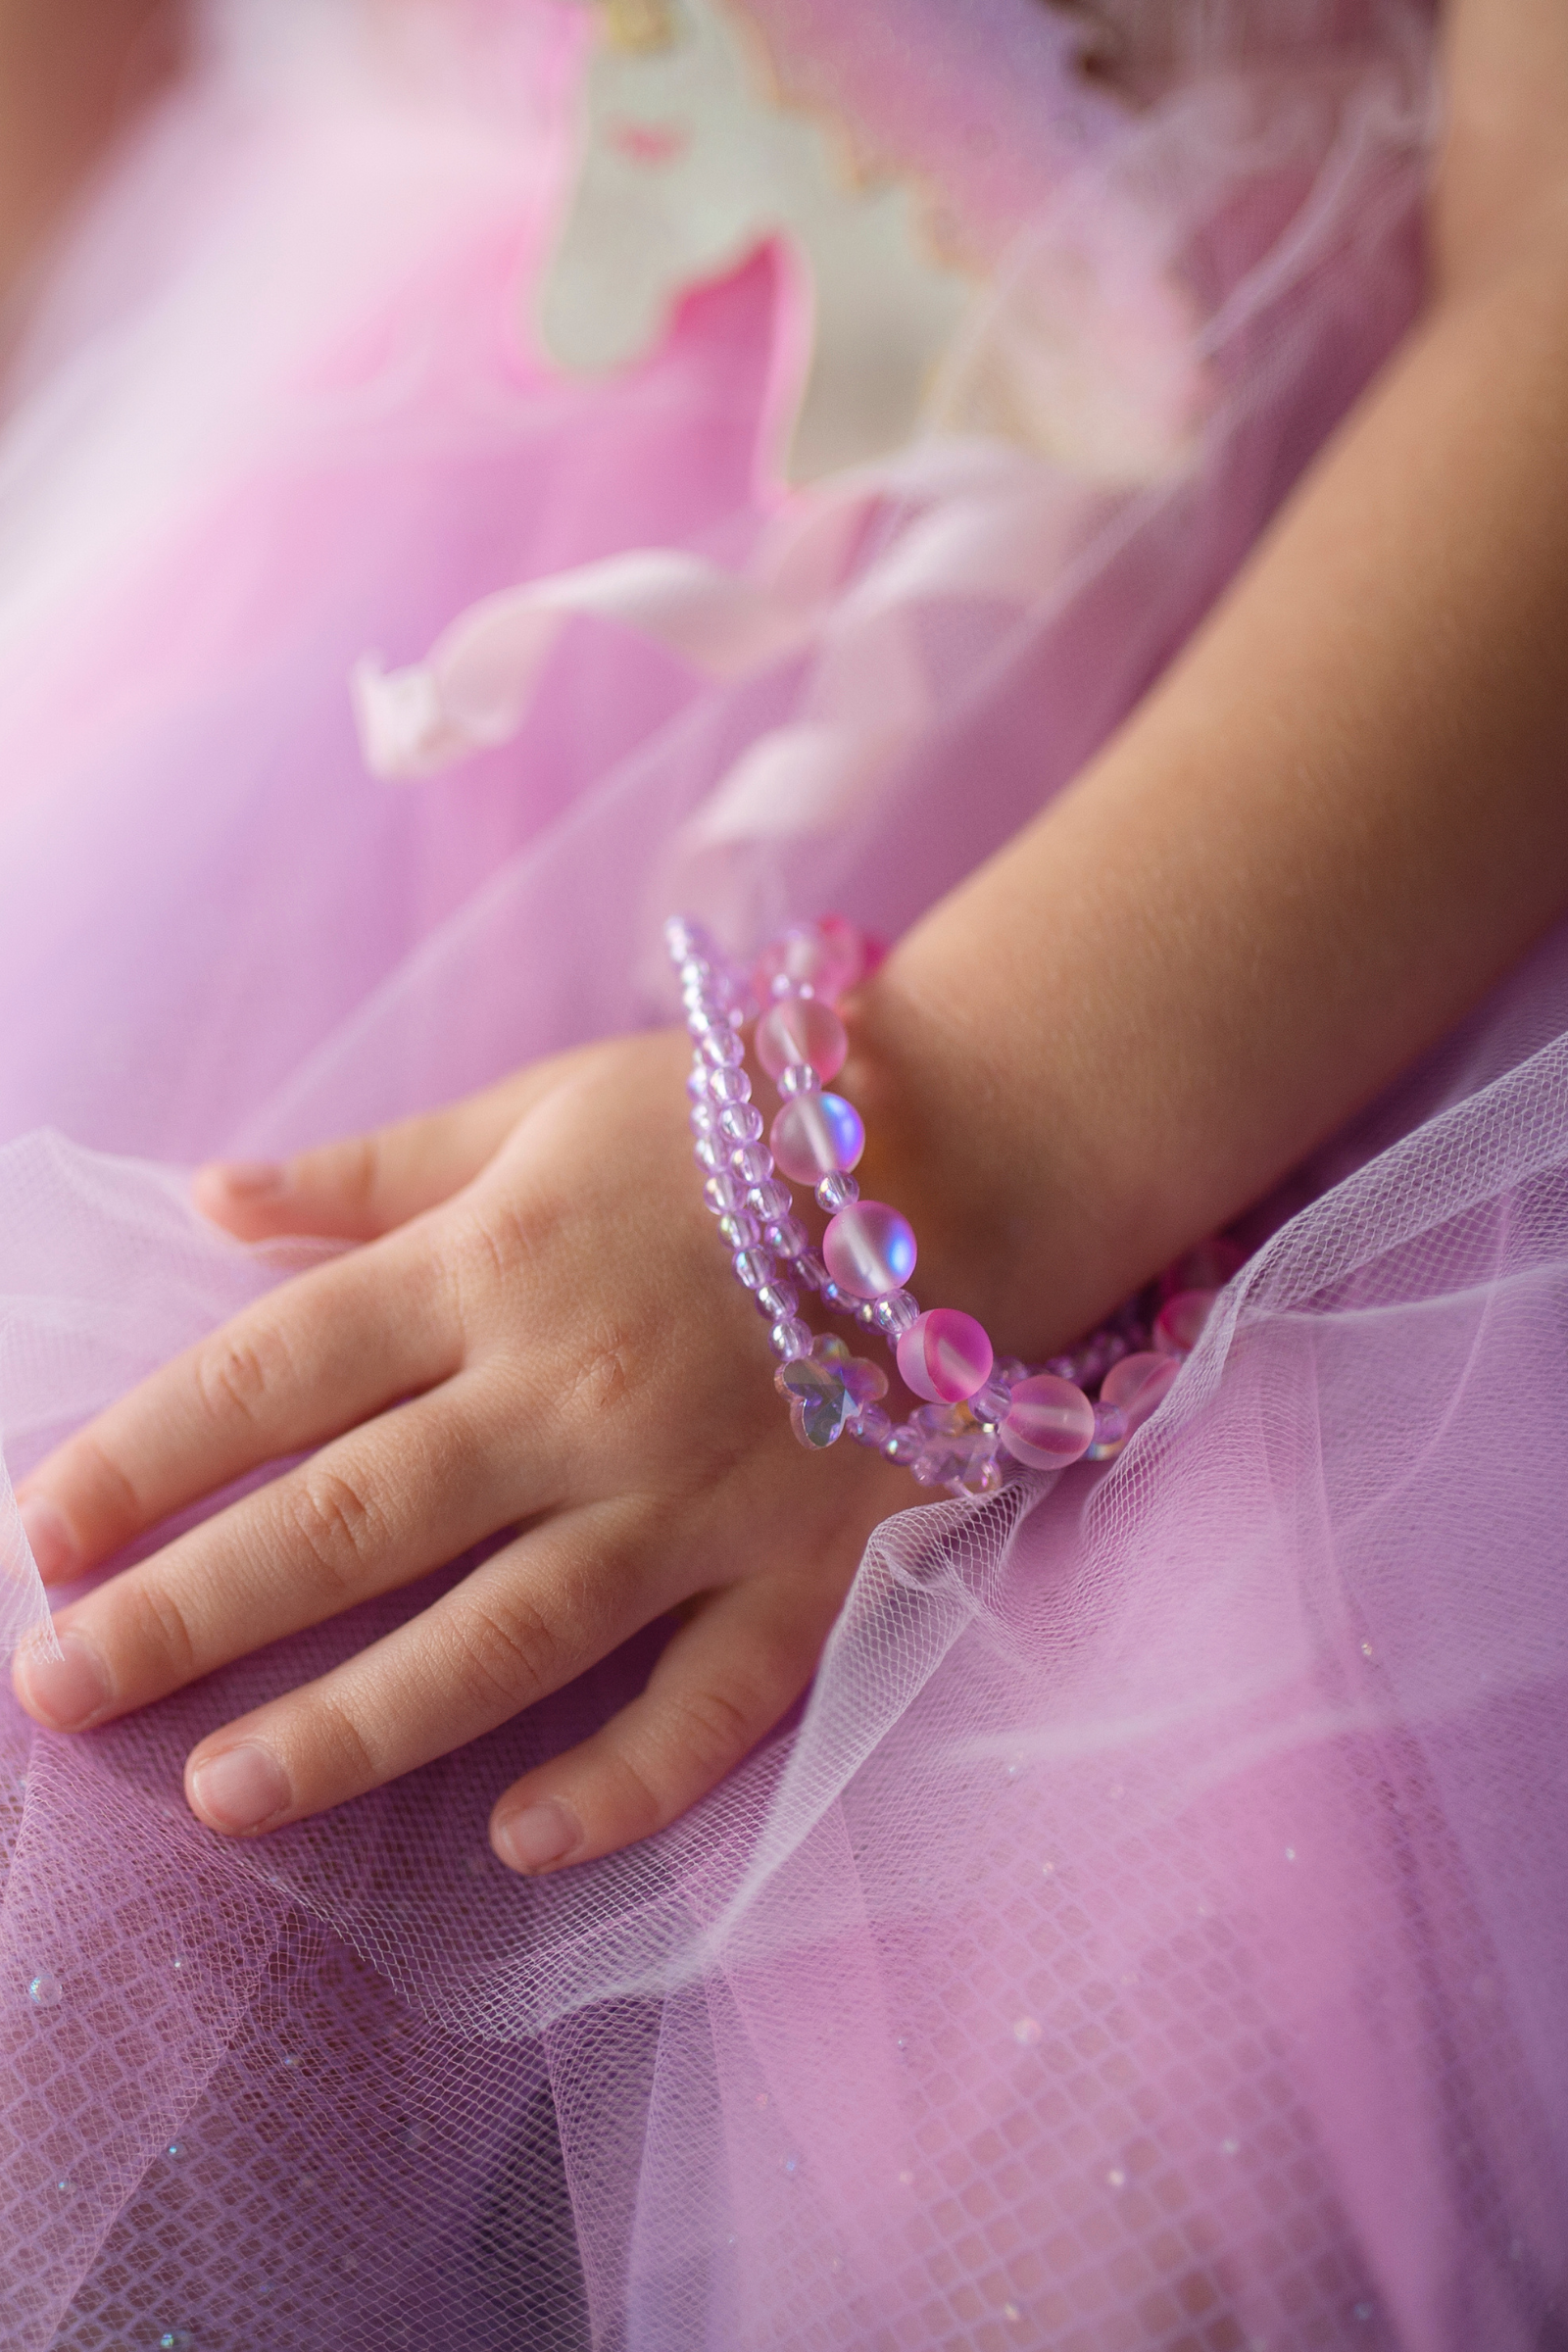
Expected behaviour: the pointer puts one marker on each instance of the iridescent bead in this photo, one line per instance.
(1138, 1384)
(723, 1048)
(753, 1163)
(742, 1123)
(685, 936)
(731, 1086)
(816, 1134)
(753, 1267)
(1110, 1432)
(767, 1199)
(1179, 1324)
(940, 1420)
(787, 1236)
(834, 1295)
(837, 1191)
(711, 1152)
(865, 1314)
(45, 1991)
(802, 1029)
(990, 1403)
(722, 1194)
(903, 1445)
(827, 957)
(799, 1079)
(740, 1229)
(944, 1356)
(697, 1085)
(869, 1249)
(777, 1300)
(811, 1269)
(894, 1313)
(871, 1426)
(1050, 1422)
(789, 1339)
(703, 1117)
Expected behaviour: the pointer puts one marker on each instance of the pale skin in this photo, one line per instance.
(1335, 823)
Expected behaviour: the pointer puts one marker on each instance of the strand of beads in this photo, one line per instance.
(976, 1416)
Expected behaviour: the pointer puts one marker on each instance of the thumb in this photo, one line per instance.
(355, 1189)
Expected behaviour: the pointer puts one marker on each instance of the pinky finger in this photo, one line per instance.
(720, 1685)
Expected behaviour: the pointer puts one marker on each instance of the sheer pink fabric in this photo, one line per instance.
(1153, 1929)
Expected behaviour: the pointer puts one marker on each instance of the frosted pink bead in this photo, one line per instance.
(826, 957)
(869, 1249)
(1050, 1422)
(802, 1029)
(945, 1356)
(1138, 1384)
(1179, 1325)
(815, 1135)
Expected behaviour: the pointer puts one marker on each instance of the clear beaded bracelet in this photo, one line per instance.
(977, 1415)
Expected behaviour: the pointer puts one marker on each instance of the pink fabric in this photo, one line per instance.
(1153, 1929)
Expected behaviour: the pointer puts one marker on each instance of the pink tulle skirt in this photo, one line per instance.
(1152, 1929)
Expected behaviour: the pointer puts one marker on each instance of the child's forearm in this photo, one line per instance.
(1336, 821)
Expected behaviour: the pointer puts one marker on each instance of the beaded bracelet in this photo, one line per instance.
(978, 1416)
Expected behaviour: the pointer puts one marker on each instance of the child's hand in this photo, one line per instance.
(543, 1333)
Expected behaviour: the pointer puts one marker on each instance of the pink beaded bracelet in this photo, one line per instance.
(977, 1417)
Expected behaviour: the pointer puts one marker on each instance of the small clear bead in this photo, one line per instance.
(871, 1426)
(896, 1312)
(810, 1270)
(832, 1296)
(722, 1194)
(989, 1405)
(45, 1991)
(786, 1237)
(740, 1229)
(723, 1048)
(753, 1163)
(755, 1267)
(703, 1019)
(703, 1117)
(778, 1300)
(742, 1123)
(789, 1339)
(865, 1314)
(731, 1086)
(837, 1191)
(903, 1445)
(768, 1199)
(711, 1152)
(685, 937)
(692, 969)
(697, 1083)
(799, 1079)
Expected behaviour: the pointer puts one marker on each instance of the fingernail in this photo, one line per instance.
(241, 1789)
(51, 1541)
(68, 1690)
(537, 1835)
(246, 1179)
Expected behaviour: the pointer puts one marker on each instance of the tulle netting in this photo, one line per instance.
(1152, 1929)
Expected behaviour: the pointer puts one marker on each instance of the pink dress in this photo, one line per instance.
(1152, 1930)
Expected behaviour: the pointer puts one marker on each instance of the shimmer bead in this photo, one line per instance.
(740, 1229)
(834, 1295)
(1179, 1324)
(871, 1426)
(799, 1079)
(755, 1267)
(787, 1236)
(730, 1086)
(945, 1355)
(724, 1048)
(789, 1339)
(742, 1123)
(1110, 1432)
(753, 1163)
(802, 1029)
(768, 1199)
(896, 1312)
(869, 1249)
(990, 1403)
(722, 1195)
(703, 1117)
(826, 957)
(711, 1152)
(837, 1191)
(683, 935)
(1050, 1422)
(697, 1084)
(813, 1134)
(777, 1300)
(1138, 1384)
(811, 1269)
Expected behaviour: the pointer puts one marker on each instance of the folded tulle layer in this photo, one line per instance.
(1152, 1929)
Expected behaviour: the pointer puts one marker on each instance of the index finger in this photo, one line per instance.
(312, 1359)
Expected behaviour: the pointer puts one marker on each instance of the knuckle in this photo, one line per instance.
(160, 1633)
(510, 1660)
(239, 1370)
(335, 1521)
(110, 1482)
(713, 1730)
(357, 1766)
